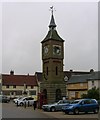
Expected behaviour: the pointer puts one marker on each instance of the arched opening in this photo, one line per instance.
(45, 93)
(58, 95)
(47, 70)
(44, 96)
(56, 70)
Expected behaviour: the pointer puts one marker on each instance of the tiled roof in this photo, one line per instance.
(79, 78)
(95, 76)
(72, 73)
(39, 76)
(66, 73)
(84, 77)
(18, 80)
(52, 34)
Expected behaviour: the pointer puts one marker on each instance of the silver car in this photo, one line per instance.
(25, 100)
(55, 106)
(16, 99)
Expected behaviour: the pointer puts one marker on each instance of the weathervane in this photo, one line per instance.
(52, 9)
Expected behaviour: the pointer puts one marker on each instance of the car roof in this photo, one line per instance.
(85, 99)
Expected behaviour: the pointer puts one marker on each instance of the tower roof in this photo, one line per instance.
(52, 33)
(52, 22)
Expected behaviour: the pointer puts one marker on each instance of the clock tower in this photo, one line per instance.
(53, 86)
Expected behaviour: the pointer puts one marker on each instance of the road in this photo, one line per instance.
(10, 110)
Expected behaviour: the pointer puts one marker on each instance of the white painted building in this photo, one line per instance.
(94, 81)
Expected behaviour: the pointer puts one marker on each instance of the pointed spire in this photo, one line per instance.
(52, 33)
(52, 22)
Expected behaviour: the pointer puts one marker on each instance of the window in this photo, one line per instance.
(7, 86)
(19, 92)
(60, 102)
(29, 98)
(33, 92)
(93, 101)
(56, 70)
(47, 70)
(32, 86)
(12, 93)
(14, 86)
(87, 102)
(45, 93)
(58, 95)
(92, 83)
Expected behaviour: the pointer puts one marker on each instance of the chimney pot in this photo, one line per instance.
(11, 72)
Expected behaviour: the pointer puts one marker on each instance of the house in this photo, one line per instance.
(19, 85)
(79, 84)
(94, 80)
(0, 84)
(39, 79)
(70, 77)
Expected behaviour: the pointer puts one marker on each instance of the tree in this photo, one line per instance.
(92, 93)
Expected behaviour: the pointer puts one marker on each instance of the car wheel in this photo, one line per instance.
(66, 112)
(86, 112)
(21, 104)
(52, 109)
(76, 111)
(96, 110)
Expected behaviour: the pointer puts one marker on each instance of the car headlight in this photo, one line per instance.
(45, 106)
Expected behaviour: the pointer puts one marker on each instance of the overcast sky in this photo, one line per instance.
(25, 24)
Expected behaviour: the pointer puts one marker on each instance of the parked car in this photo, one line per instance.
(25, 100)
(82, 105)
(16, 99)
(4, 99)
(55, 106)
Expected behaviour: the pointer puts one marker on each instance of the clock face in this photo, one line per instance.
(56, 50)
(46, 49)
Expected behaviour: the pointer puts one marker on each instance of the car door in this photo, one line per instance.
(25, 101)
(93, 105)
(31, 100)
(85, 106)
(59, 105)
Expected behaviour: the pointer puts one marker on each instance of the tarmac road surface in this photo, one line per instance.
(10, 110)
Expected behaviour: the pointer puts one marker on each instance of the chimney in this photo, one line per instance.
(91, 70)
(11, 72)
(71, 70)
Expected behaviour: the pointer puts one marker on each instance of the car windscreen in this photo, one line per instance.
(75, 102)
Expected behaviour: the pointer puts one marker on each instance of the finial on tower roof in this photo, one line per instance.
(52, 22)
(51, 8)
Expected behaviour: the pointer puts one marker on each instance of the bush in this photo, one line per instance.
(92, 93)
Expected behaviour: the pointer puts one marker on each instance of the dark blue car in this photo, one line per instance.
(82, 105)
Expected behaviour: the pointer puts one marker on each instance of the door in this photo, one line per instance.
(76, 95)
(58, 95)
